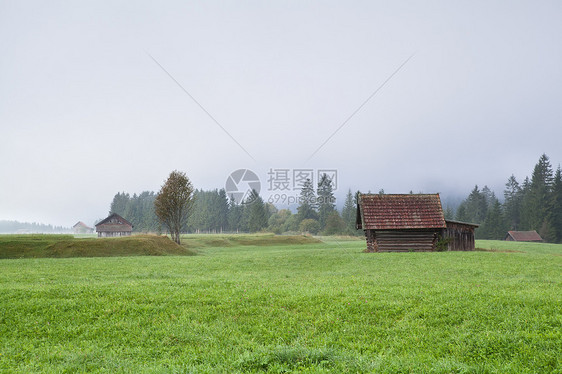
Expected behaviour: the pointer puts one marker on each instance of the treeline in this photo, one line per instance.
(14, 227)
(214, 212)
(137, 209)
(534, 204)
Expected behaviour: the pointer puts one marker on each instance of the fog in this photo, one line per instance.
(102, 97)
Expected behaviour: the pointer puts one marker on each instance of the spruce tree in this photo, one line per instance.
(235, 215)
(326, 200)
(475, 207)
(449, 213)
(461, 214)
(255, 212)
(119, 203)
(349, 213)
(494, 225)
(524, 213)
(556, 207)
(513, 195)
(307, 203)
(536, 203)
(488, 195)
(222, 210)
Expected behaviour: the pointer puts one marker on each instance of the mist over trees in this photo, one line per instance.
(10, 227)
(534, 204)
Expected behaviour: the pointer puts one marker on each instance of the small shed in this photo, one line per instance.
(523, 236)
(460, 235)
(413, 222)
(114, 225)
(81, 228)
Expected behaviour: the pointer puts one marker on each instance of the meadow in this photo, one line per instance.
(251, 303)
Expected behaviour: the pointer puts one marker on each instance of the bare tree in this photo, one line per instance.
(173, 203)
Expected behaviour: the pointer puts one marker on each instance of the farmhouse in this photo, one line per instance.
(414, 222)
(114, 225)
(81, 228)
(523, 236)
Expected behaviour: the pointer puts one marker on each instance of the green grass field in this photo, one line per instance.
(258, 304)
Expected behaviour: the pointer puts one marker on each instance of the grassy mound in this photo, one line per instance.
(58, 246)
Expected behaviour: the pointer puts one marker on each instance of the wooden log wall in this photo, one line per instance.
(371, 245)
(404, 240)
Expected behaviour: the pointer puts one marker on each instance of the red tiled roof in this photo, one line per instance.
(525, 236)
(391, 212)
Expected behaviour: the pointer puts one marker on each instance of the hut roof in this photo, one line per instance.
(525, 236)
(462, 223)
(393, 212)
(114, 223)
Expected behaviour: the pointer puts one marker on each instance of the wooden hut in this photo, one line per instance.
(414, 222)
(523, 236)
(114, 225)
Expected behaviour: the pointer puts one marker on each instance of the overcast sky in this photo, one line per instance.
(86, 112)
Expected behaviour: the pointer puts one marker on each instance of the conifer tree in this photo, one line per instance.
(449, 213)
(349, 213)
(494, 225)
(326, 200)
(556, 206)
(255, 212)
(119, 203)
(513, 195)
(307, 202)
(475, 206)
(536, 202)
(235, 216)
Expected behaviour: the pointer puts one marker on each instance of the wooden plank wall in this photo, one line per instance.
(462, 237)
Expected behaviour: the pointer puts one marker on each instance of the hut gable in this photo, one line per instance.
(114, 225)
(523, 236)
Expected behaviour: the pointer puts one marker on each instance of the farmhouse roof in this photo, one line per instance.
(525, 236)
(81, 224)
(393, 212)
(114, 220)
